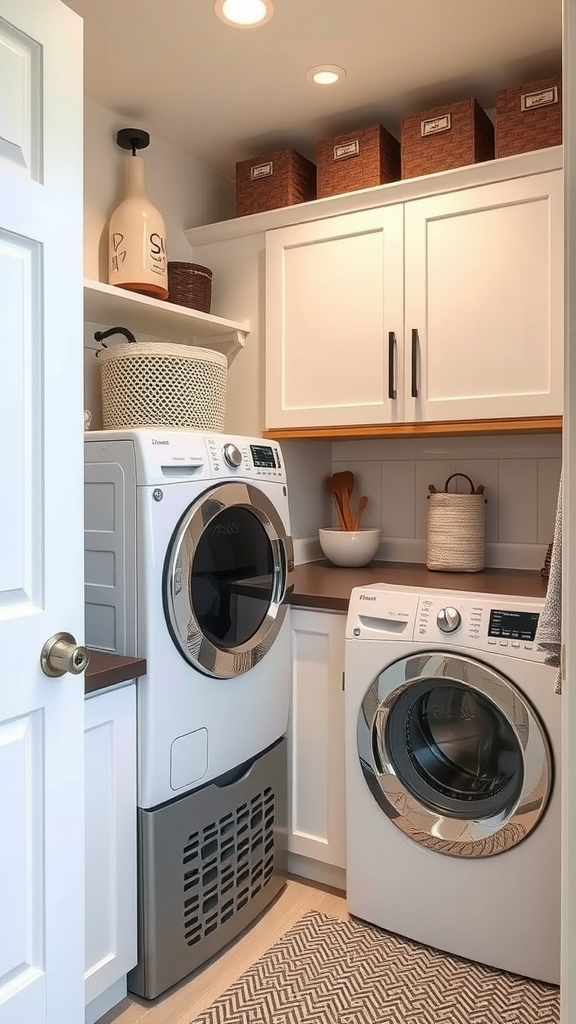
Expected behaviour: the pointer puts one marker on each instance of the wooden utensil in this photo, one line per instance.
(361, 506)
(335, 492)
(343, 484)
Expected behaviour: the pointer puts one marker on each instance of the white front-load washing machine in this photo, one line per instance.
(189, 564)
(452, 775)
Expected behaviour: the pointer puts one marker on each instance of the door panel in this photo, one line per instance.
(22, 960)
(21, 80)
(110, 839)
(484, 291)
(316, 760)
(334, 293)
(21, 561)
(41, 562)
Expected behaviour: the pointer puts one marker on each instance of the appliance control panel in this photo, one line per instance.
(479, 622)
(164, 456)
(245, 457)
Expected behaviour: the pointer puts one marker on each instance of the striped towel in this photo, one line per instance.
(549, 632)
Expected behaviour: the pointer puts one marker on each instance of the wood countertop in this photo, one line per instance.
(107, 669)
(325, 586)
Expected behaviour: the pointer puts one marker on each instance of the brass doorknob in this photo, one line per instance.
(62, 654)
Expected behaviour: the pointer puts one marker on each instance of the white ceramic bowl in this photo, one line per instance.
(349, 547)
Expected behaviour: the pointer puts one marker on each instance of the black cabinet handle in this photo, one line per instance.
(414, 388)
(391, 364)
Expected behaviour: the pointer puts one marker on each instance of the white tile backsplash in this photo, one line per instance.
(397, 502)
(520, 474)
(518, 501)
(548, 482)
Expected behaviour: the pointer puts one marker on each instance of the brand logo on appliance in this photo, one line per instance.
(364, 597)
(156, 441)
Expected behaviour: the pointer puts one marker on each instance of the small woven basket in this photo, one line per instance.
(456, 529)
(529, 117)
(190, 284)
(360, 159)
(283, 178)
(446, 137)
(153, 384)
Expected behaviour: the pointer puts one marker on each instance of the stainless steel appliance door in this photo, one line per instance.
(227, 577)
(454, 754)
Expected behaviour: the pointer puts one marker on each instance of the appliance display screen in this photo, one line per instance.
(263, 456)
(513, 625)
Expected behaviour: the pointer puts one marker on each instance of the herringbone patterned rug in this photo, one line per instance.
(326, 971)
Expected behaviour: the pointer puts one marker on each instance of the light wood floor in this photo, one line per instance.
(182, 1003)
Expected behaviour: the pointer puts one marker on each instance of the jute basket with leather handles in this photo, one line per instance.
(456, 529)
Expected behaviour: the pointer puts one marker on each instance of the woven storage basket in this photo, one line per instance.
(282, 179)
(357, 160)
(190, 284)
(529, 117)
(150, 384)
(446, 137)
(456, 529)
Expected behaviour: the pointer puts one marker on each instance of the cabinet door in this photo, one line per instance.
(334, 306)
(316, 789)
(110, 743)
(484, 292)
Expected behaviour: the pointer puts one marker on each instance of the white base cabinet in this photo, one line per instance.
(316, 765)
(110, 774)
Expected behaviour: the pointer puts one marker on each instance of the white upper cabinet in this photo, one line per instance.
(484, 301)
(442, 308)
(334, 307)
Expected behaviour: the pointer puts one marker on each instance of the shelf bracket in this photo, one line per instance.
(229, 344)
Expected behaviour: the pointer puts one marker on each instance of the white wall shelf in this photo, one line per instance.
(105, 304)
(505, 168)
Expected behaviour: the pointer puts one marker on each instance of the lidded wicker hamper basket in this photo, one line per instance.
(153, 384)
(456, 529)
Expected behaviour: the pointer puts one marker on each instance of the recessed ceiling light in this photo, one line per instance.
(326, 74)
(244, 13)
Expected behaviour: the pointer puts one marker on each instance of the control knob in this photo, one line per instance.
(448, 620)
(232, 455)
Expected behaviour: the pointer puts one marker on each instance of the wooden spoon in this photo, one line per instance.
(335, 492)
(343, 484)
(361, 506)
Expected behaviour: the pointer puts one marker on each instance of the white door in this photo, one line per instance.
(484, 301)
(334, 321)
(41, 520)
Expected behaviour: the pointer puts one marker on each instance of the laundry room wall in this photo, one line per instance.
(520, 474)
(185, 191)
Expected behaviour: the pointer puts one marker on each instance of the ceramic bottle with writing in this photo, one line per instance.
(137, 234)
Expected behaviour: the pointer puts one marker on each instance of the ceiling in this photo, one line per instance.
(224, 94)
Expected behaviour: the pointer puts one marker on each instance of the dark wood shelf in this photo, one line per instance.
(107, 669)
(455, 428)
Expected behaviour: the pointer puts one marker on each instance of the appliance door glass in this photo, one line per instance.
(454, 754)
(227, 577)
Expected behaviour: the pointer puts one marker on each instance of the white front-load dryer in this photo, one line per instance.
(452, 775)
(189, 565)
